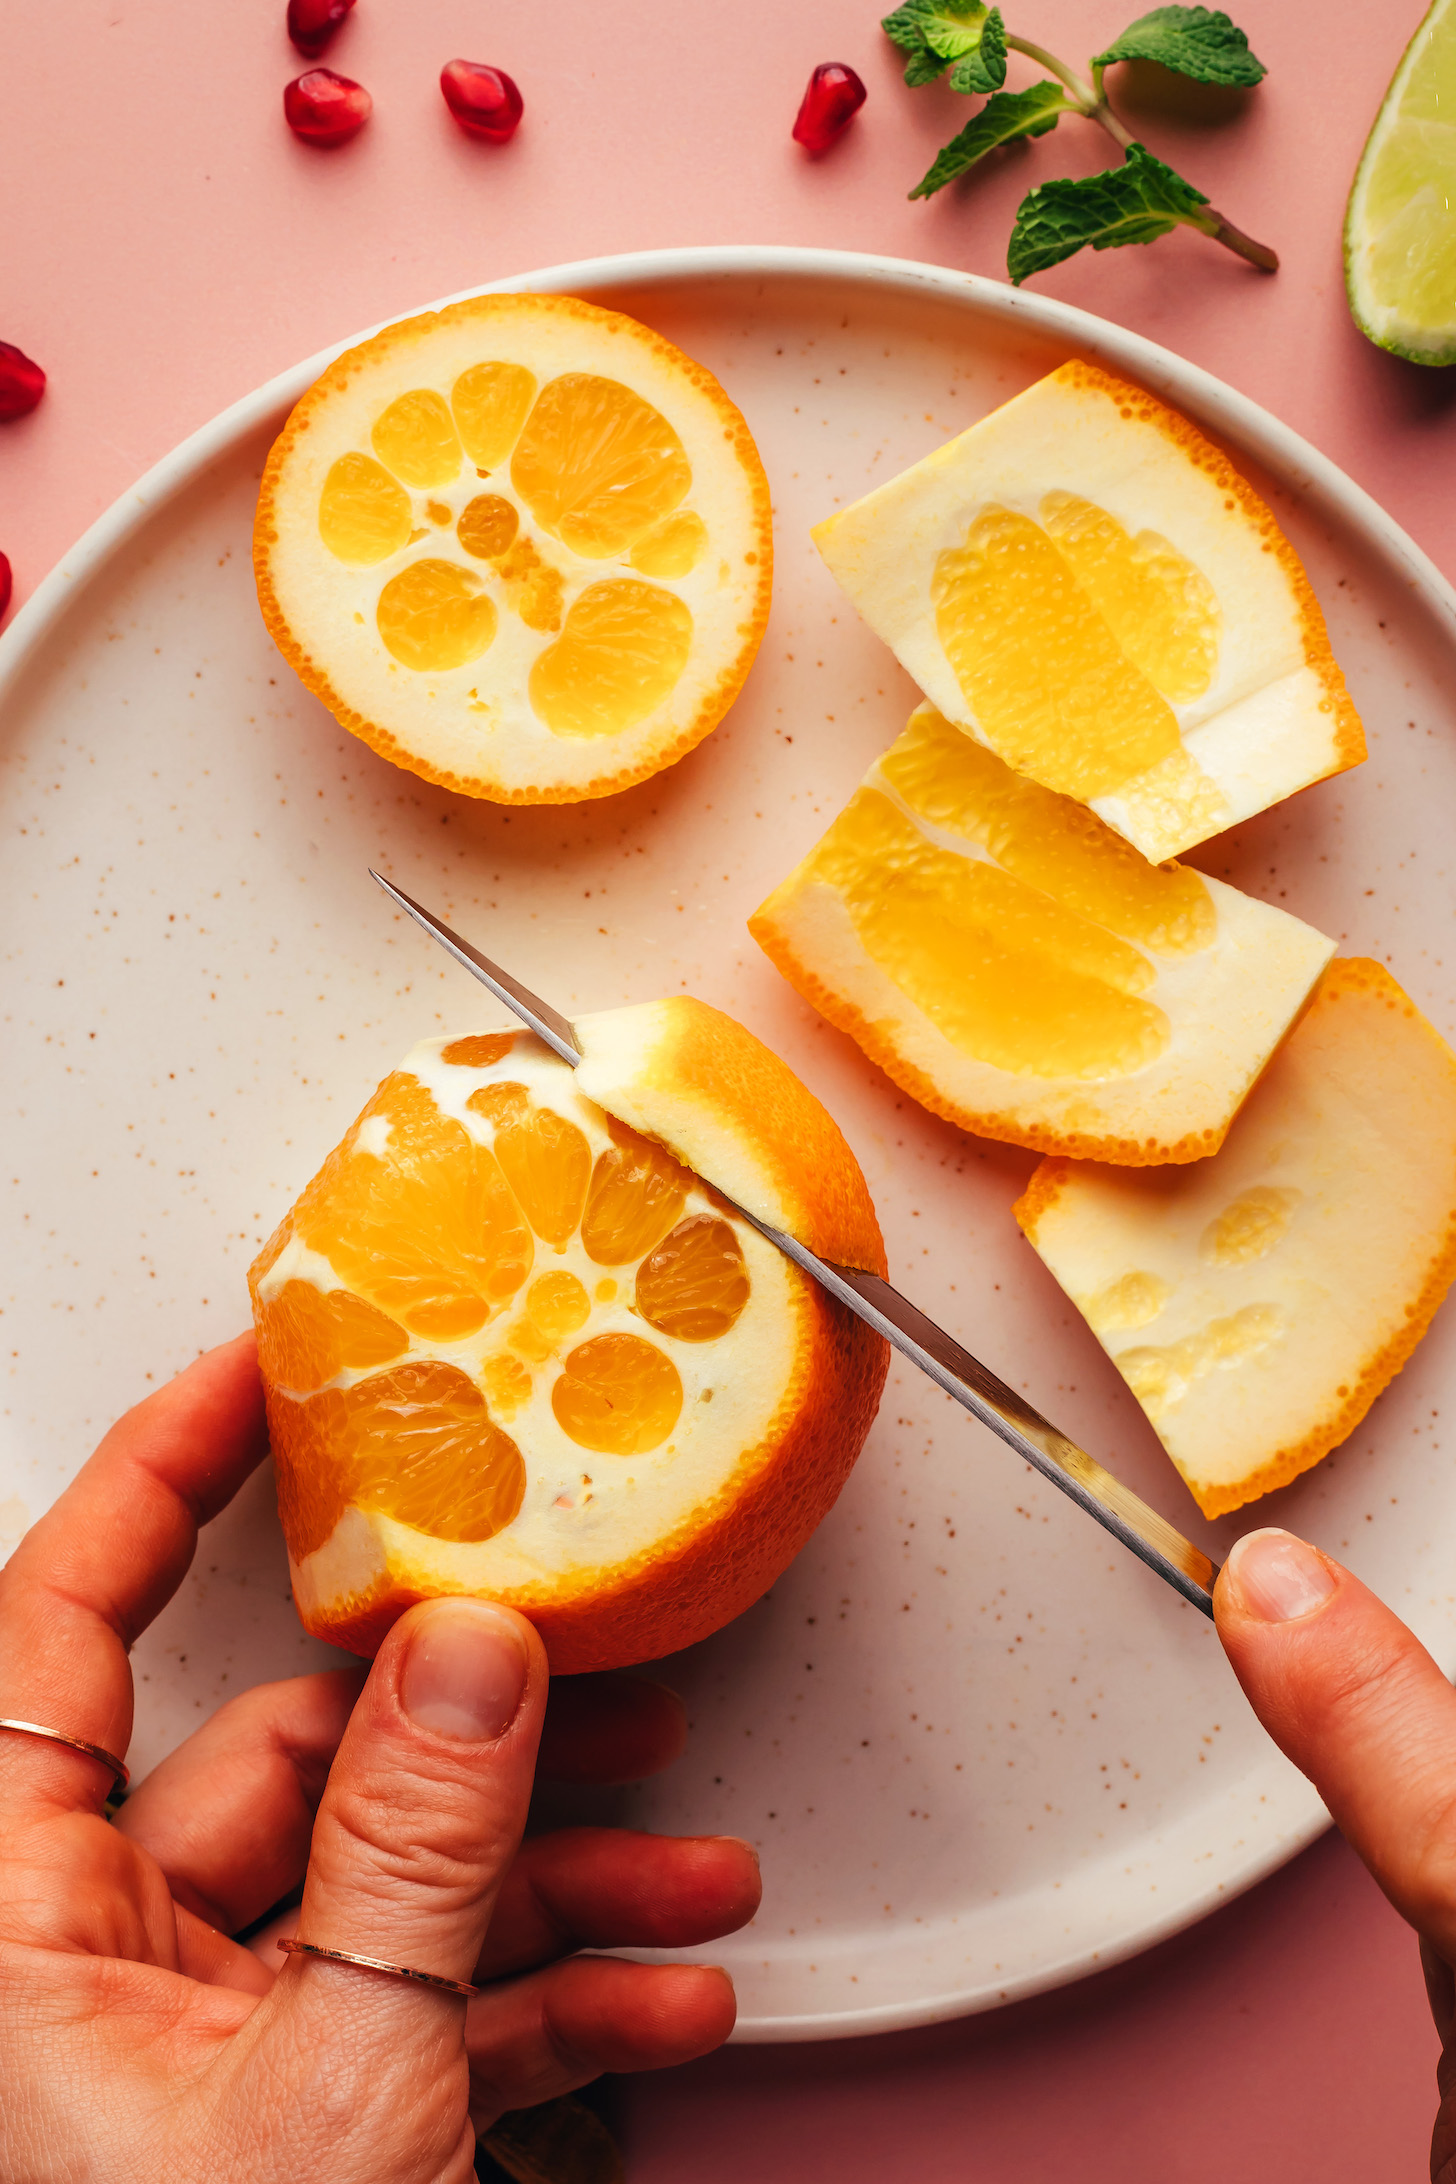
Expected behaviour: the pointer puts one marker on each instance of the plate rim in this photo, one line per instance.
(1294, 460)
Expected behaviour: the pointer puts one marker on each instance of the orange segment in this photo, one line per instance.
(618, 1395)
(308, 1336)
(673, 548)
(416, 439)
(428, 1228)
(487, 526)
(1161, 609)
(695, 1284)
(619, 658)
(480, 1051)
(435, 615)
(597, 465)
(1053, 691)
(416, 1444)
(548, 1164)
(490, 402)
(637, 1192)
(364, 515)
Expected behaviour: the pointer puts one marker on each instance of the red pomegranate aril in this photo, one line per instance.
(22, 383)
(485, 101)
(326, 109)
(7, 585)
(835, 95)
(314, 24)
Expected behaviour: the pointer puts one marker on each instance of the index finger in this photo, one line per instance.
(1355, 1700)
(88, 1578)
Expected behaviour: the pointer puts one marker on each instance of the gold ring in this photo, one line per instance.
(76, 1744)
(295, 1947)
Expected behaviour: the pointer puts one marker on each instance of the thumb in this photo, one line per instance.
(1354, 1699)
(424, 1808)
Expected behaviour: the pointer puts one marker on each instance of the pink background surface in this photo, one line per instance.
(168, 245)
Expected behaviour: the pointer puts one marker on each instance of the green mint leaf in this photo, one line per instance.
(1003, 118)
(923, 67)
(985, 68)
(954, 27)
(1134, 203)
(907, 29)
(903, 28)
(1197, 42)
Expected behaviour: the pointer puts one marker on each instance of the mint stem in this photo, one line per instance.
(1093, 104)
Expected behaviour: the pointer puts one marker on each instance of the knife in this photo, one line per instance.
(1114, 1506)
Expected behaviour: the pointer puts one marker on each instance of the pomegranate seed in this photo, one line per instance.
(323, 108)
(483, 100)
(7, 585)
(21, 383)
(835, 95)
(313, 24)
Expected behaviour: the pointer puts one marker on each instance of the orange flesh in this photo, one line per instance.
(417, 440)
(1047, 840)
(597, 466)
(674, 549)
(434, 616)
(364, 515)
(618, 1395)
(432, 1233)
(619, 657)
(487, 526)
(1006, 972)
(490, 402)
(1068, 641)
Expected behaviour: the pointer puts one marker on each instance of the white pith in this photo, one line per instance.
(1263, 728)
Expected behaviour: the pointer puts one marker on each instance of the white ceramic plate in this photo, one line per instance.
(981, 1749)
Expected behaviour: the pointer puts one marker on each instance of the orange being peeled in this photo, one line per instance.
(521, 546)
(515, 1345)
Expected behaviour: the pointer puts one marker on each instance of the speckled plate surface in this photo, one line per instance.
(981, 1750)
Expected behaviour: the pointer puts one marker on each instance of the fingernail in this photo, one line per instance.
(464, 1672)
(1277, 1577)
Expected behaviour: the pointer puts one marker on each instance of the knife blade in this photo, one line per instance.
(905, 1327)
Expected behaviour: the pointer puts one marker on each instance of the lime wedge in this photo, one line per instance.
(1400, 228)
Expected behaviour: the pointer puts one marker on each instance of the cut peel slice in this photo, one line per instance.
(1400, 240)
(1257, 1304)
(1014, 965)
(1086, 585)
(521, 546)
(512, 1346)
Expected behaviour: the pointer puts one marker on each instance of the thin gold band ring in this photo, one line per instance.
(76, 1744)
(294, 1947)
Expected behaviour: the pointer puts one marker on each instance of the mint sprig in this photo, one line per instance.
(1197, 42)
(1134, 203)
(966, 42)
(1003, 118)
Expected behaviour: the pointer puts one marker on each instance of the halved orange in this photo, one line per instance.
(521, 546)
(515, 1346)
